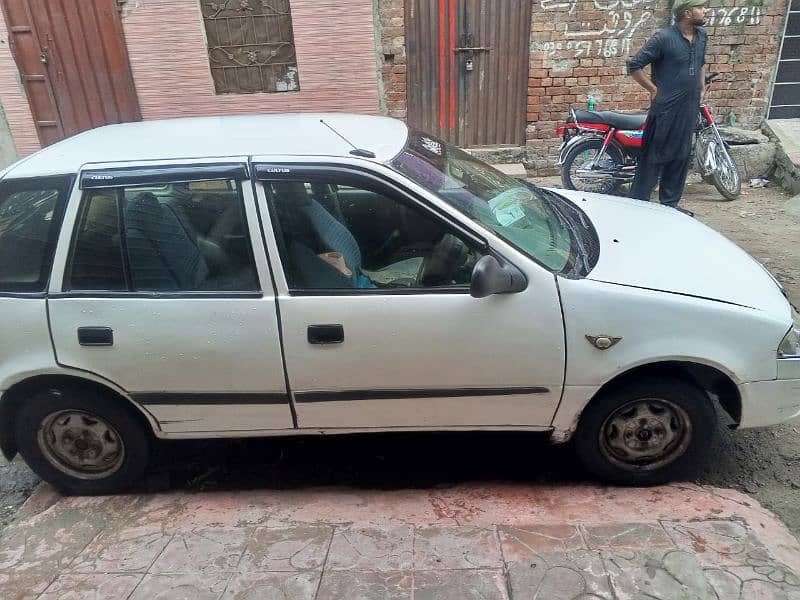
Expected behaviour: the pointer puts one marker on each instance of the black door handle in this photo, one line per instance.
(95, 336)
(325, 334)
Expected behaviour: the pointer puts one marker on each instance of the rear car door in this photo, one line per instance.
(164, 290)
(31, 211)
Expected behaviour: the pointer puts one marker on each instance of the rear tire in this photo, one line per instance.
(81, 441)
(583, 152)
(646, 432)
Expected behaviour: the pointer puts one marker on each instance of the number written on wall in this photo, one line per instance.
(608, 48)
(737, 15)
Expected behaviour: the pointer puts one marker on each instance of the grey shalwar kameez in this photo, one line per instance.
(676, 68)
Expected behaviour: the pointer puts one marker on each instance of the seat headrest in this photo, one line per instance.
(291, 193)
(144, 201)
(143, 212)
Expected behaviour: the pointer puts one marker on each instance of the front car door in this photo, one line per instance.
(161, 286)
(378, 324)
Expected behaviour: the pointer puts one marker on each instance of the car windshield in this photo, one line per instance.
(517, 212)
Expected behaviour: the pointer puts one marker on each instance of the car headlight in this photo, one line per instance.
(790, 346)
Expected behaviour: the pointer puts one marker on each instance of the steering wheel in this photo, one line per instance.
(440, 266)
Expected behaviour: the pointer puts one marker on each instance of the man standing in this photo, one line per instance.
(678, 56)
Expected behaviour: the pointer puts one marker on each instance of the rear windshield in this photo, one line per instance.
(30, 215)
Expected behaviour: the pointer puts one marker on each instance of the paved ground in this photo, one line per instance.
(488, 541)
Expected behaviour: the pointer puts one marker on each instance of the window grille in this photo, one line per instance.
(250, 46)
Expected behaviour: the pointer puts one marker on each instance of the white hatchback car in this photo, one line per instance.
(308, 274)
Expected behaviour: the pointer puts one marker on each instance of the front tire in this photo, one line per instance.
(583, 152)
(726, 177)
(646, 432)
(81, 441)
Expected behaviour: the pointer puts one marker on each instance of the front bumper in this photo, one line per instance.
(769, 402)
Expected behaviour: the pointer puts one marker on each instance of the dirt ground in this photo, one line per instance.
(764, 463)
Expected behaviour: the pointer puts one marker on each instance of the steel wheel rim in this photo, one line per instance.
(81, 444)
(645, 434)
(728, 173)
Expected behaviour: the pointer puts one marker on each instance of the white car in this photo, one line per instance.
(318, 274)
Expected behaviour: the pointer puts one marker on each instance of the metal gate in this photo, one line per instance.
(468, 69)
(73, 63)
(785, 103)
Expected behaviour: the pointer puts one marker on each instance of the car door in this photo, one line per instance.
(162, 288)
(382, 331)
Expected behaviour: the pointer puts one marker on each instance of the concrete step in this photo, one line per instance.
(513, 169)
(787, 167)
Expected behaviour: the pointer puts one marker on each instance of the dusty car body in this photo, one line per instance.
(306, 274)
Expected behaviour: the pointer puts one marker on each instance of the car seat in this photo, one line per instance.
(309, 230)
(163, 256)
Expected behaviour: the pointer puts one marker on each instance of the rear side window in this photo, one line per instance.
(30, 215)
(178, 237)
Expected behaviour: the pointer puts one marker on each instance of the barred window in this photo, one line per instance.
(250, 46)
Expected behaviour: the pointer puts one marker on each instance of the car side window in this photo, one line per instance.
(30, 215)
(334, 236)
(172, 238)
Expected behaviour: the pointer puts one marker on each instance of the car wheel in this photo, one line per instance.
(646, 432)
(82, 442)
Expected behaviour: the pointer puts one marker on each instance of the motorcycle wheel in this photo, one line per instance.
(726, 177)
(582, 153)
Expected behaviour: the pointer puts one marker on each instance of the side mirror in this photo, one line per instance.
(490, 277)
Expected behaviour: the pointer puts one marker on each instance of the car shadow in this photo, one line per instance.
(366, 461)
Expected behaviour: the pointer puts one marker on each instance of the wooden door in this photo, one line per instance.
(468, 69)
(74, 66)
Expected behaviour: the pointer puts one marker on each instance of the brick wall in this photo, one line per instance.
(391, 29)
(579, 49)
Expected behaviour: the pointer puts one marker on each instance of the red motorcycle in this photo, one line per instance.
(599, 151)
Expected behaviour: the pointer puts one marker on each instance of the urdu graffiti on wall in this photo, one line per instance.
(607, 35)
(617, 21)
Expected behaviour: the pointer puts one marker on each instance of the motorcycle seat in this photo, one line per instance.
(617, 120)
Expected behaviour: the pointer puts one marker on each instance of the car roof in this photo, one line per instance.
(296, 134)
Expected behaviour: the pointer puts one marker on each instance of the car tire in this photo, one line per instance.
(646, 432)
(81, 441)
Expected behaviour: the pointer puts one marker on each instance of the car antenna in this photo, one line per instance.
(355, 151)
